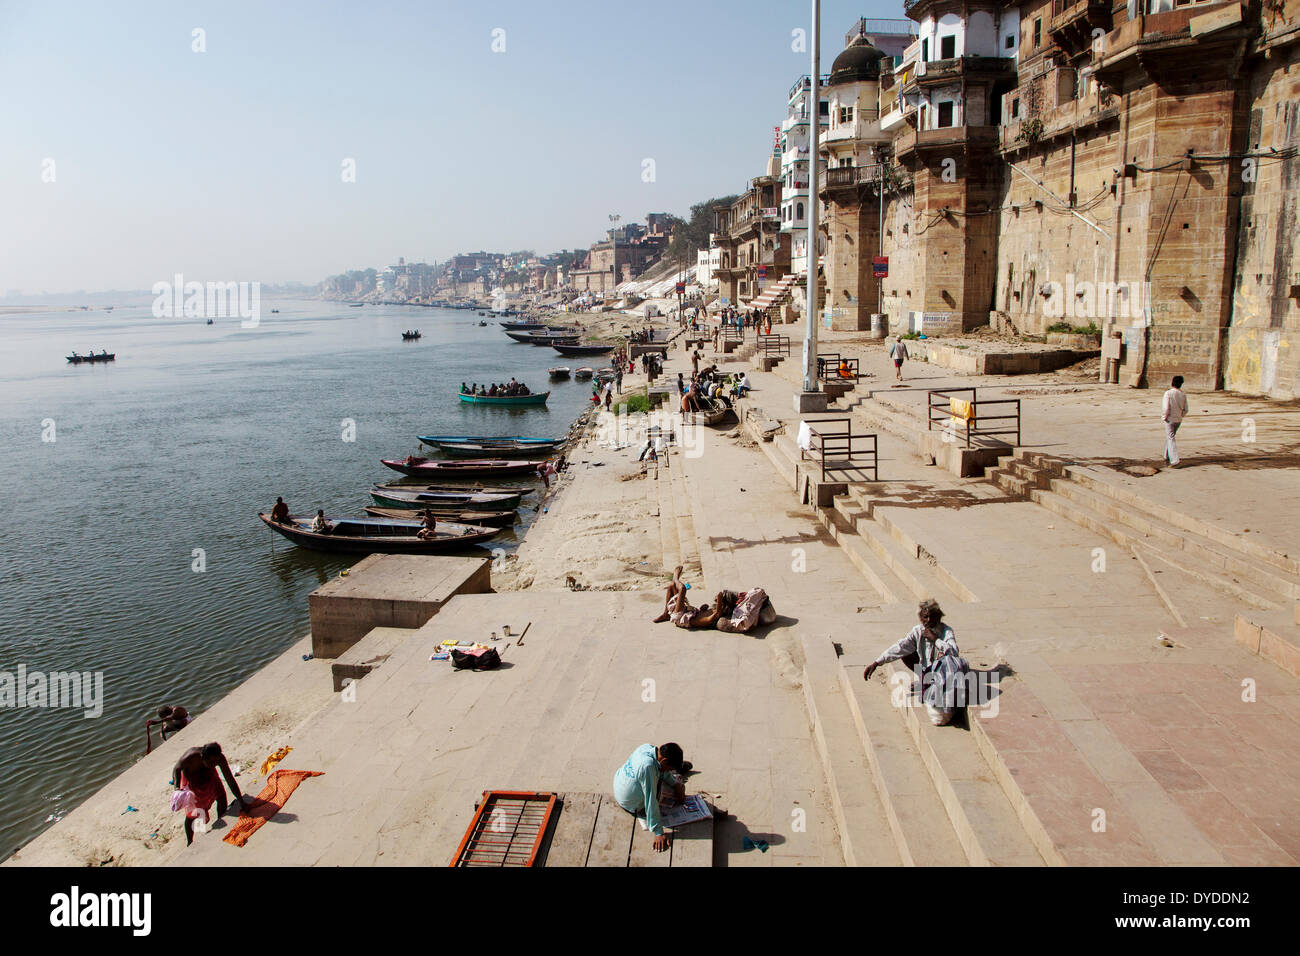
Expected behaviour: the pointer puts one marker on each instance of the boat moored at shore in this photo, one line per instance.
(374, 535)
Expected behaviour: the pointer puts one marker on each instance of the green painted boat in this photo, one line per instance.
(538, 398)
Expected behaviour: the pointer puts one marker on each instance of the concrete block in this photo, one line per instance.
(805, 402)
(956, 458)
(391, 590)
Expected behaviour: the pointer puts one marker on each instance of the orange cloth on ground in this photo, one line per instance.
(269, 763)
(279, 788)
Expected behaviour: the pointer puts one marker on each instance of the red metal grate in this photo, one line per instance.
(507, 830)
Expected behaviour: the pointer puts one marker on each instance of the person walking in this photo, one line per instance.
(898, 352)
(618, 377)
(1173, 409)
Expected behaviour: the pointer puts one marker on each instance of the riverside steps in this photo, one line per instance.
(1107, 602)
(406, 760)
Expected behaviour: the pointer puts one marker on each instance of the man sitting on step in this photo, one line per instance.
(637, 785)
(930, 649)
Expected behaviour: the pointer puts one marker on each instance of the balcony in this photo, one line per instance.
(1155, 40)
(805, 83)
(956, 69)
(915, 143)
(1061, 115)
(1073, 22)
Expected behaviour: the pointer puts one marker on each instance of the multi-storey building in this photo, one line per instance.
(852, 149)
(752, 249)
(795, 132)
(1131, 165)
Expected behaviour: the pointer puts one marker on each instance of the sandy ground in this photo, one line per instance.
(600, 527)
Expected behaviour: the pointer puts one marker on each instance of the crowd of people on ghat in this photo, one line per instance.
(496, 390)
(709, 385)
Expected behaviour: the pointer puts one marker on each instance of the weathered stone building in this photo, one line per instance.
(1129, 165)
(752, 251)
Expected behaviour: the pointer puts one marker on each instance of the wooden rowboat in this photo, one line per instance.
(711, 412)
(461, 488)
(494, 447)
(560, 371)
(583, 373)
(378, 535)
(497, 450)
(488, 519)
(92, 358)
(537, 398)
(486, 468)
(567, 348)
(395, 496)
(485, 439)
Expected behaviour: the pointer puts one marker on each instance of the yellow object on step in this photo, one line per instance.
(269, 763)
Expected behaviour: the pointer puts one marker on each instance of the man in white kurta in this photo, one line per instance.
(1173, 409)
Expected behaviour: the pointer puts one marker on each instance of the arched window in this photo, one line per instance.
(798, 211)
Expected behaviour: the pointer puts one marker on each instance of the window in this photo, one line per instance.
(798, 211)
(925, 51)
(1015, 107)
(1011, 41)
(846, 115)
(1038, 33)
(947, 47)
(825, 108)
(945, 114)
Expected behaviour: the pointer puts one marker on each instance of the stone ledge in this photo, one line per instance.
(389, 590)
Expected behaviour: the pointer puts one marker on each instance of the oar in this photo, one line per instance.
(520, 642)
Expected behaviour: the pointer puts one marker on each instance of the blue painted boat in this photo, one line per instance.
(537, 398)
(485, 439)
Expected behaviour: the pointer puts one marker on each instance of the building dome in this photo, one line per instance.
(859, 61)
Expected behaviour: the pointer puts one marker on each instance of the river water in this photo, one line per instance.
(171, 451)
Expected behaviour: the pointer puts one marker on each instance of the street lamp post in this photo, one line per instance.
(613, 241)
(812, 399)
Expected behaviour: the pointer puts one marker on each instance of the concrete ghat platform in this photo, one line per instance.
(389, 590)
(405, 762)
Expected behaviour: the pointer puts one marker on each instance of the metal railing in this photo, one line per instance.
(834, 367)
(731, 333)
(840, 449)
(771, 345)
(976, 422)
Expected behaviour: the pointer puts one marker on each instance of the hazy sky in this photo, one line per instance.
(227, 165)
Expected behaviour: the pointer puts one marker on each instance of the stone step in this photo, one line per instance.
(919, 579)
(1260, 588)
(913, 547)
(985, 821)
(916, 815)
(1083, 797)
(1010, 482)
(1283, 562)
(889, 589)
(866, 838)
(365, 655)
(1273, 635)
(1221, 558)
